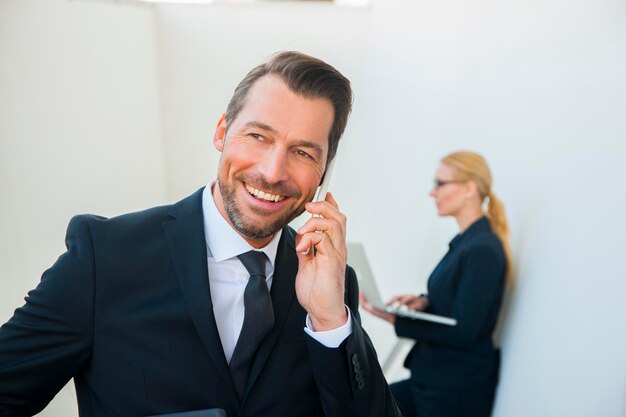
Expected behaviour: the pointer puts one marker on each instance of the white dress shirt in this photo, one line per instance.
(228, 278)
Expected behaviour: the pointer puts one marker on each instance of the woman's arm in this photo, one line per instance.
(477, 299)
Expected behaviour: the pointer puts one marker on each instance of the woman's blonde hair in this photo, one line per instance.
(471, 166)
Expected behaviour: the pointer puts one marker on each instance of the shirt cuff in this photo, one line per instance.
(330, 338)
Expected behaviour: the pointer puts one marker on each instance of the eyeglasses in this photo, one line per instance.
(437, 184)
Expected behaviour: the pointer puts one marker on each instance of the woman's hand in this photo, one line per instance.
(412, 302)
(376, 312)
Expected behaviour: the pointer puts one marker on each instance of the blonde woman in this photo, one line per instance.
(454, 369)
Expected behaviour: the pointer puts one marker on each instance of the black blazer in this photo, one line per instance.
(127, 313)
(468, 285)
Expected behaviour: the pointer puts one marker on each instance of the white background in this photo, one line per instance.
(108, 107)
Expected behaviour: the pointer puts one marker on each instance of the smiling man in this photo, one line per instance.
(273, 159)
(213, 302)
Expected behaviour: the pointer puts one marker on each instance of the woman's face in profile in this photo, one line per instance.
(448, 192)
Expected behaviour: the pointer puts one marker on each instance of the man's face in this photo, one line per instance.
(273, 157)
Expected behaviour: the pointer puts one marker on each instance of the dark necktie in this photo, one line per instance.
(258, 319)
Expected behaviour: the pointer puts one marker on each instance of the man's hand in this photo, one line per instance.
(322, 253)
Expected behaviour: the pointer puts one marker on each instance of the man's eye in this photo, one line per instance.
(257, 136)
(302, 153)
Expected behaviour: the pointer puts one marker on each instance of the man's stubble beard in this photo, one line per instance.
(247, 227)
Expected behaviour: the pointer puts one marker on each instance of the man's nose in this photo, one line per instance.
(274, 166)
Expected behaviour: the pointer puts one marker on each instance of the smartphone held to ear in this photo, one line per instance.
(323, 188)
(322, 191)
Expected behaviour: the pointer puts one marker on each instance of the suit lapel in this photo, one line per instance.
(187, 244)
(283, 296)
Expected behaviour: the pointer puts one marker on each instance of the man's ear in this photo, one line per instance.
(220, 133)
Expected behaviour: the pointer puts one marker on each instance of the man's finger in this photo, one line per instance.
(307, 241)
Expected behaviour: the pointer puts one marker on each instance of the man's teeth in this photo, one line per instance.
(263, 195)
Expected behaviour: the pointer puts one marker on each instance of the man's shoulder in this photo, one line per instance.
(143, 218)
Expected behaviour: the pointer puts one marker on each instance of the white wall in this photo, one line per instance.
(79, 131)
(537, 86)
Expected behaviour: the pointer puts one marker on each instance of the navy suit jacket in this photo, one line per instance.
(468, 285)
(127, 313)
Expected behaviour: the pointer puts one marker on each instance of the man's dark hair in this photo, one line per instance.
(307, 76)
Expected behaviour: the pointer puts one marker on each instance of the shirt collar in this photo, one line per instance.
(223, 242)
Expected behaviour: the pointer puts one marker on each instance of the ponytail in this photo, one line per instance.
(500, 226)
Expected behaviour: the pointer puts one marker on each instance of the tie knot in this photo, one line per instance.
(254, 261)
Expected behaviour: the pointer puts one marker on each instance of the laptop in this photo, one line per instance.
(357, 259)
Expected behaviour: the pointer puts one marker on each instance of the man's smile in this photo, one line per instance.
(264, 195)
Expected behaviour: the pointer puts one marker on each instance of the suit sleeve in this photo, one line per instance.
(479, 292)
(49, 338)
(349, 378)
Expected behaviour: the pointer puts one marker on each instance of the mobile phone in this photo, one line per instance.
(323, 187)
